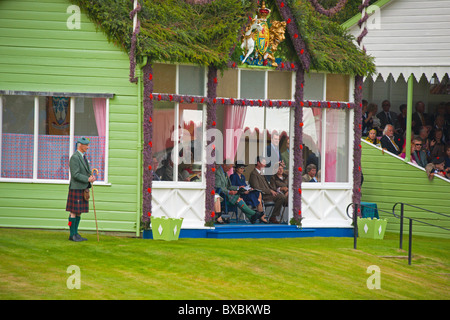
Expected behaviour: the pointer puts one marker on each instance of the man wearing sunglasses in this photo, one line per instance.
(417, 154)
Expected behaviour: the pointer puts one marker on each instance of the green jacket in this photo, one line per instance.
(223, 182)
(80, 172)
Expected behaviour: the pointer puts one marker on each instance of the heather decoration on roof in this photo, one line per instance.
(207, 32)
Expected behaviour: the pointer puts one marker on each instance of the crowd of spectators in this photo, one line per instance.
(430, 143)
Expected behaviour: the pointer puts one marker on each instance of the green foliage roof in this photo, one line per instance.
(330, 46)
(178, 31)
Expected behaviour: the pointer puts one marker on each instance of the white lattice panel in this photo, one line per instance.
(325, 207)
(188, 204)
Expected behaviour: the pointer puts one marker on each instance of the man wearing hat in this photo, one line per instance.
(80, 179)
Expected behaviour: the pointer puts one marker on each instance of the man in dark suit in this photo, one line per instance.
(80, 179)
(420, 118)
(273, 155)
(386, 116)
(259, 182)
(388, 142)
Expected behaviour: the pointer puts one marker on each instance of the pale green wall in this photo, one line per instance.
(39, 53)
(388, 180)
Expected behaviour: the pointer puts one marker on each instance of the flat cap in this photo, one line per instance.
(83, 140)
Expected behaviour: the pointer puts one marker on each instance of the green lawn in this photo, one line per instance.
(34, 265)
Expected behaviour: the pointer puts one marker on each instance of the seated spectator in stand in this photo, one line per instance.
(401, 118)
(447, 156)
(388, 142)
(372, 138)
(231, 195)
(259, 182)
(165, 172)
(279, 182)
(311, 172)
(439, 123)
(367, 119)
(423, 134)
(252, 198)
(417, 154)
(437, 168)
(437, 145)
(386, 116)
(420, 118)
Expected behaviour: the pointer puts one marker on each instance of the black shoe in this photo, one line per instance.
(80, 237)
(253, 218)
(75, 238)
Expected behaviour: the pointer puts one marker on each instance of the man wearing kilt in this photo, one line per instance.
(80, 179)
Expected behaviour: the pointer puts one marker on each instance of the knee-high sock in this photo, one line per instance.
(77, 223)
(72, 224)
(248, 212)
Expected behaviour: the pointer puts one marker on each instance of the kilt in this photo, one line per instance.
(76, 202)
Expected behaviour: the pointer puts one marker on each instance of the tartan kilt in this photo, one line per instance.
(76, 202)
(232, 199)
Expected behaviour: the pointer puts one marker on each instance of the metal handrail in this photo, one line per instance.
(401, 217)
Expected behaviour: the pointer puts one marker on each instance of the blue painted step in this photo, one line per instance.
(258, 231)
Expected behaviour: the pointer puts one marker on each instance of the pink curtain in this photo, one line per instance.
(99, 105)
(333, 125)
(233, 119)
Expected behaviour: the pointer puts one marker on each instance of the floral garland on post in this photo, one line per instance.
(298, 149)
(357, 125)
(330, 12)
(136, 31)
(147, 123)
(210, 167)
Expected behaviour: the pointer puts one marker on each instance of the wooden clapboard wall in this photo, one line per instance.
(38, 52)
(388, 180)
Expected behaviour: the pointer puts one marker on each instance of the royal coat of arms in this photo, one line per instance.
(259, 41)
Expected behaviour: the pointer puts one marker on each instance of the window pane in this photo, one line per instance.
(54, 139)
(164, 76)
(251, 142)
(163, 128)
(191, 80)
(280, 85)
(337, 87)
(314, 86)
(227, 84)
(252, 84)
(90, 122)
(312, 142)
(191, 142)
(17, 137)
(336, 148)
(277, 128)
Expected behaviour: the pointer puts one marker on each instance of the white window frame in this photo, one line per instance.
(335, 185)
(72, 97)
(186, 184)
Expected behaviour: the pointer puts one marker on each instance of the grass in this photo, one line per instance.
(34, 265)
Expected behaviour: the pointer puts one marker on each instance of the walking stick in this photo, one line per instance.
(93, 203)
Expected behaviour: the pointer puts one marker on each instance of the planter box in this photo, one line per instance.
(163, 228)
(371, 228)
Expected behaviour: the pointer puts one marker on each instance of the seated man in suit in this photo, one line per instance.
(387, 140)
(259, 182)
(231, 193)
(420, 118)
(387, 116)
